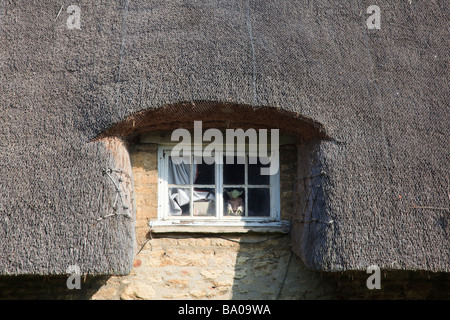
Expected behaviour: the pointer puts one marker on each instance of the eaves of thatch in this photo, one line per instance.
(381, 97)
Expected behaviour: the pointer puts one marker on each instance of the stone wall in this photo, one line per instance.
(249, 280)
(144, 160)
(229, 267)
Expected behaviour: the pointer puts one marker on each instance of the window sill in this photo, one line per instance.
(160, 226)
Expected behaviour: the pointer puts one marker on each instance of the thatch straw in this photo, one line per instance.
(382, 94)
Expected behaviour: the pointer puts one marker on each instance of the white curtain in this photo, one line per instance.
(179, 174)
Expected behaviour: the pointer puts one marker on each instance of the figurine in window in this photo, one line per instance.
(235, 205)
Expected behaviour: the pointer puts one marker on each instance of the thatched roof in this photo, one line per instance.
(380, 95)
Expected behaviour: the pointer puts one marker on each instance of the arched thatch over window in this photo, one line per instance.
(293, 201)
(216, 115)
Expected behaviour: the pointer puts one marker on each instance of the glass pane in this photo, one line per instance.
(258, 202)
(204, 174)
(254, 172)
(234, 173)
(179, 201)
(204, 202)
(234, 202)
(179, 173)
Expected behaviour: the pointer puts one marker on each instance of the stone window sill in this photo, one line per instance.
(161, 226)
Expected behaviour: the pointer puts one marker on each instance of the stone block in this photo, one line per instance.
(105, 293)
(138, 291)
(197, 293)
(211, 274)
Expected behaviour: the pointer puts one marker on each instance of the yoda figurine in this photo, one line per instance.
(235, 205)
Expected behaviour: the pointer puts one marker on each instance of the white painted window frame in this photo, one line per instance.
(219, 219)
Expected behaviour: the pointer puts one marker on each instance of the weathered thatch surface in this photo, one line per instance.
(380, 95)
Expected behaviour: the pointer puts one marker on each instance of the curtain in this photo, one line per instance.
(180, 174)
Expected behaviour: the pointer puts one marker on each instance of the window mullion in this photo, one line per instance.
(191, 182)
(275, 196)
(219, 185)
(162, 185)
(246, 184)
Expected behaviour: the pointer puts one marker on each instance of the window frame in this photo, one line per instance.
(219, 218)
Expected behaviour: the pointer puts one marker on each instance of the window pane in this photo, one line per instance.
(254, 173)
(204, 202)
(258, 202)
(179, 201)
(204, 174)
(179, 173)
(234, 202)
(234, 173)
